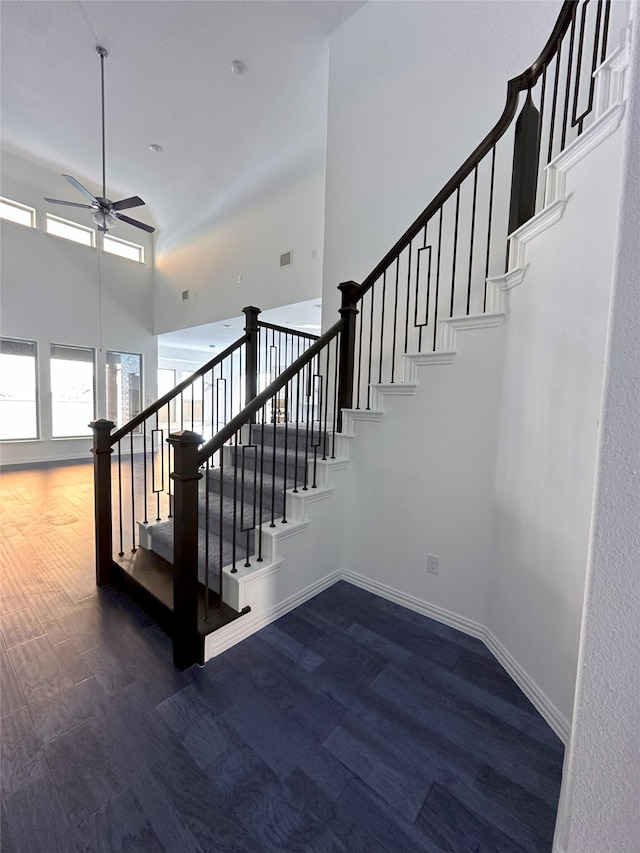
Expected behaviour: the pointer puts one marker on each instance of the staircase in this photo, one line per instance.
(212, 517)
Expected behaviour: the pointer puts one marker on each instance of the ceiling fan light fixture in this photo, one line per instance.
(104, 219)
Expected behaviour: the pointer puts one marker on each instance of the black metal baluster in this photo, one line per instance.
(455, 251)
(326, 403)
(121, 551)
(153, 465)
(206, 542)
(417, 289)
(264, 414)
(335, 397)
(144, 462)
(565, 115)
(235, 501)
(605, 31)
(435, 308)
(370, 351)
(286, 449)
(169, 469)
(543, 93)
(486, 268)
(309, 416)
(361, 320)
(133, 496)
(395, 323)
(181, 411)
(406, 319)
(297, 435)
(384, 293)
(471, 239)
(554, 101)
(274, 404)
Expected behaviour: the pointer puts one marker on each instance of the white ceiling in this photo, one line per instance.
(168, 81)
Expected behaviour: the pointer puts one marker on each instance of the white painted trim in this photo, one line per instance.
(534, 693)
(363, 414)
(396, 389)
(509, 280)
(449, 327)
(535, 226)
(223, 639)
(587, 142)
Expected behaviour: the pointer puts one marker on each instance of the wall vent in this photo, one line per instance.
(185, 295)
(286, 259)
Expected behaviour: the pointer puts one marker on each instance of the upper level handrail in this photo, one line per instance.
(287, 331)
(518, 84)
(155, 407)
(215, 443)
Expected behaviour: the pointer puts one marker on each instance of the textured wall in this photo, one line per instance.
(601, 800)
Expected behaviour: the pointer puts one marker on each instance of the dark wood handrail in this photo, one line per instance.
(516, 85)
(286, 331)
(215, 443)
(169, 396)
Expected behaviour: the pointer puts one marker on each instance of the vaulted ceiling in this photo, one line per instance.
(168, 82)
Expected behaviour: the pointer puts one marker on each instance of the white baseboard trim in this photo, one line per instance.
(532, 691)
(245, 626)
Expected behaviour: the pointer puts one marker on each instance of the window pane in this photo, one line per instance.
(16, 212)
(124, 389)
(18, 407)
(70, 230)
(72, 380)
(115, 246)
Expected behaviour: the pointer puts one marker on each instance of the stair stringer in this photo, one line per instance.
(300, 557)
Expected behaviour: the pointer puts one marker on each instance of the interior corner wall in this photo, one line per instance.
(413, 88)
(49, 294)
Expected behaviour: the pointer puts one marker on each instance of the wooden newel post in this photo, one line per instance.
(102, 451)
(348, 311)
(187, 643)
(253, 332)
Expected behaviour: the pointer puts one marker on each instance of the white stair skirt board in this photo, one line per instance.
(539, 699)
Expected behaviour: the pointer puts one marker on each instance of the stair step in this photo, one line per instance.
(162, 541)
(309, 435)
(273, 460)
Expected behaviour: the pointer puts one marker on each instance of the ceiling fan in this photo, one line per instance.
(106, 213)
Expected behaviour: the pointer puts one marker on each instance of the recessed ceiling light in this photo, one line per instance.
(155, 148)
(238, 67)
(226, 325)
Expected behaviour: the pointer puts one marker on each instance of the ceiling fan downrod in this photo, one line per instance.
(103, 53)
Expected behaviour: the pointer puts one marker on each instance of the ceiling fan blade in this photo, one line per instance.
(135, 222)
(69, 203)
(79, 186)
(126, 203)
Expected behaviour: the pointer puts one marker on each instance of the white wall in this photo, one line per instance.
(552, 386)
(601, 792)
(244, 235)
(413, 88)
(50, 294)
(420, 482)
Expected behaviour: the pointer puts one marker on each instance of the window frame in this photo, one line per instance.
(110, 239)
(18, 205)
(50, 217)
(36, 372)
(93, 387)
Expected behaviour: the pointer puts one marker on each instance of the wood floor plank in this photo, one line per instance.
(36, 821)
(289, 741)
(50, 692)
(22, 758)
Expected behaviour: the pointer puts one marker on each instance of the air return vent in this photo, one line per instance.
(286, 259)
(185, 295)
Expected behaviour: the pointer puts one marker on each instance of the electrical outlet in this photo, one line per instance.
(433, 564)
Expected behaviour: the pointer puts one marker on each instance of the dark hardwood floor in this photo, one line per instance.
(349, 725)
